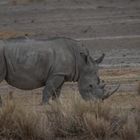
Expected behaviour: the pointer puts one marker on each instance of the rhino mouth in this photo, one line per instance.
(99, 92)
(102, 93)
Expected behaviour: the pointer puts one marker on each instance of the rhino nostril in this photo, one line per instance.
(103, 81)
(91, 86)
(98, 81)
(102, 86)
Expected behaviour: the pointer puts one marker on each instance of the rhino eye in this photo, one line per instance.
(91, 86)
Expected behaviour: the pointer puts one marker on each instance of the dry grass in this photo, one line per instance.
(129, 129)
(125, 75)
(19, 123)
(138, 90)
(15, 2)
(14, 34)
(69, 118)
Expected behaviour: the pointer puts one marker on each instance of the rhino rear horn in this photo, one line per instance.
(100, 59)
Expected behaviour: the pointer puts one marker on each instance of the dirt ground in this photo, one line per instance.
(103, 26)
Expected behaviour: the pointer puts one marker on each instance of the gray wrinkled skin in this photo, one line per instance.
(2, 62)
(29, 64)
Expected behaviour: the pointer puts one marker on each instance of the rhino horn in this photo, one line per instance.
(100, 59)
(108, 94)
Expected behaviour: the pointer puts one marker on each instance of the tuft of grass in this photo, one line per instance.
(16, 122)
(98, 128)
(129, 129)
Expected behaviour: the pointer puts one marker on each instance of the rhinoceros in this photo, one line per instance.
(28, 64)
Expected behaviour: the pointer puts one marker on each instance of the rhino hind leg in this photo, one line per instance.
(52, 88)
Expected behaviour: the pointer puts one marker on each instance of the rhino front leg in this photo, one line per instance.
(52, 88)
(57, 93)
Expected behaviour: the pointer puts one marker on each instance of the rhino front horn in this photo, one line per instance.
(108, 94)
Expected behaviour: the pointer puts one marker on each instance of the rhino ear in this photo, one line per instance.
(85, 55)
(100, 59)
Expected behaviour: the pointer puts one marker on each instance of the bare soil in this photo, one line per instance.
(110, 27)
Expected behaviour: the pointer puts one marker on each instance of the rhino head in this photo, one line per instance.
(89, 83)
